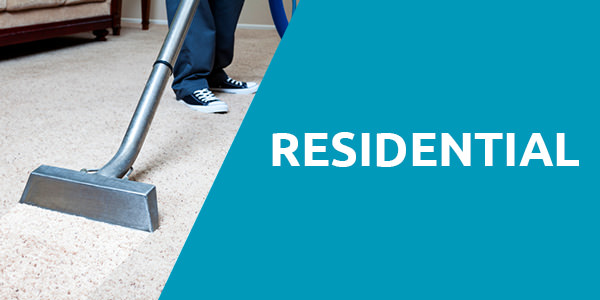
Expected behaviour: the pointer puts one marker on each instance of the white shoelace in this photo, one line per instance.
(233, 81)
(205, 95)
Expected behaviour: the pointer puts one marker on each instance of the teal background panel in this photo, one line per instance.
(411, 232)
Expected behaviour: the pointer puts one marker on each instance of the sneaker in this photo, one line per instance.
(233, 86)
(204, 101)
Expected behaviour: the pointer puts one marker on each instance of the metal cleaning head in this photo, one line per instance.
(112, 200)
(103, 196)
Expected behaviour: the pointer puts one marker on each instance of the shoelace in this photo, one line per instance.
(233, 81)
(205, 95)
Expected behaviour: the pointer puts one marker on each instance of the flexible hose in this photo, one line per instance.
(279, 17)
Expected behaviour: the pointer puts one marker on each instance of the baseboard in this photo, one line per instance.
(256, 26)
(139, 21)
(164, 22)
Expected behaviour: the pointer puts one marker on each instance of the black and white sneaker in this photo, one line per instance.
(233, 86)
(205, 101)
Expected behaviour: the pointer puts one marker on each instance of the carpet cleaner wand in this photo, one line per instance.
(106, 194)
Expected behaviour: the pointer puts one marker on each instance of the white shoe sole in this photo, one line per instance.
(220, 108)
(249, 90)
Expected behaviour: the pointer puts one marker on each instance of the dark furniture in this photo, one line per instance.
(145, 14)
(98, 25)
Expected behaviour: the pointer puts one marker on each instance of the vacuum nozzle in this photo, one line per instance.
(112, 200)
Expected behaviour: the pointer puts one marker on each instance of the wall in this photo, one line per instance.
(255, 12)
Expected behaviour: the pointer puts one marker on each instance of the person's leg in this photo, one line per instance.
(226, 15)
(195, 61)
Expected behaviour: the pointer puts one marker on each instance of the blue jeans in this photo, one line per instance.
(208, 46)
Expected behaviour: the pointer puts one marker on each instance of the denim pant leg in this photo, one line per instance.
(208, 46)
(195, 61)
(226, 15)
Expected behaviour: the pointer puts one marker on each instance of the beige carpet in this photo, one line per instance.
(67, 103)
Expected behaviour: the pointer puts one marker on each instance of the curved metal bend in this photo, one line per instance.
(146, 108)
